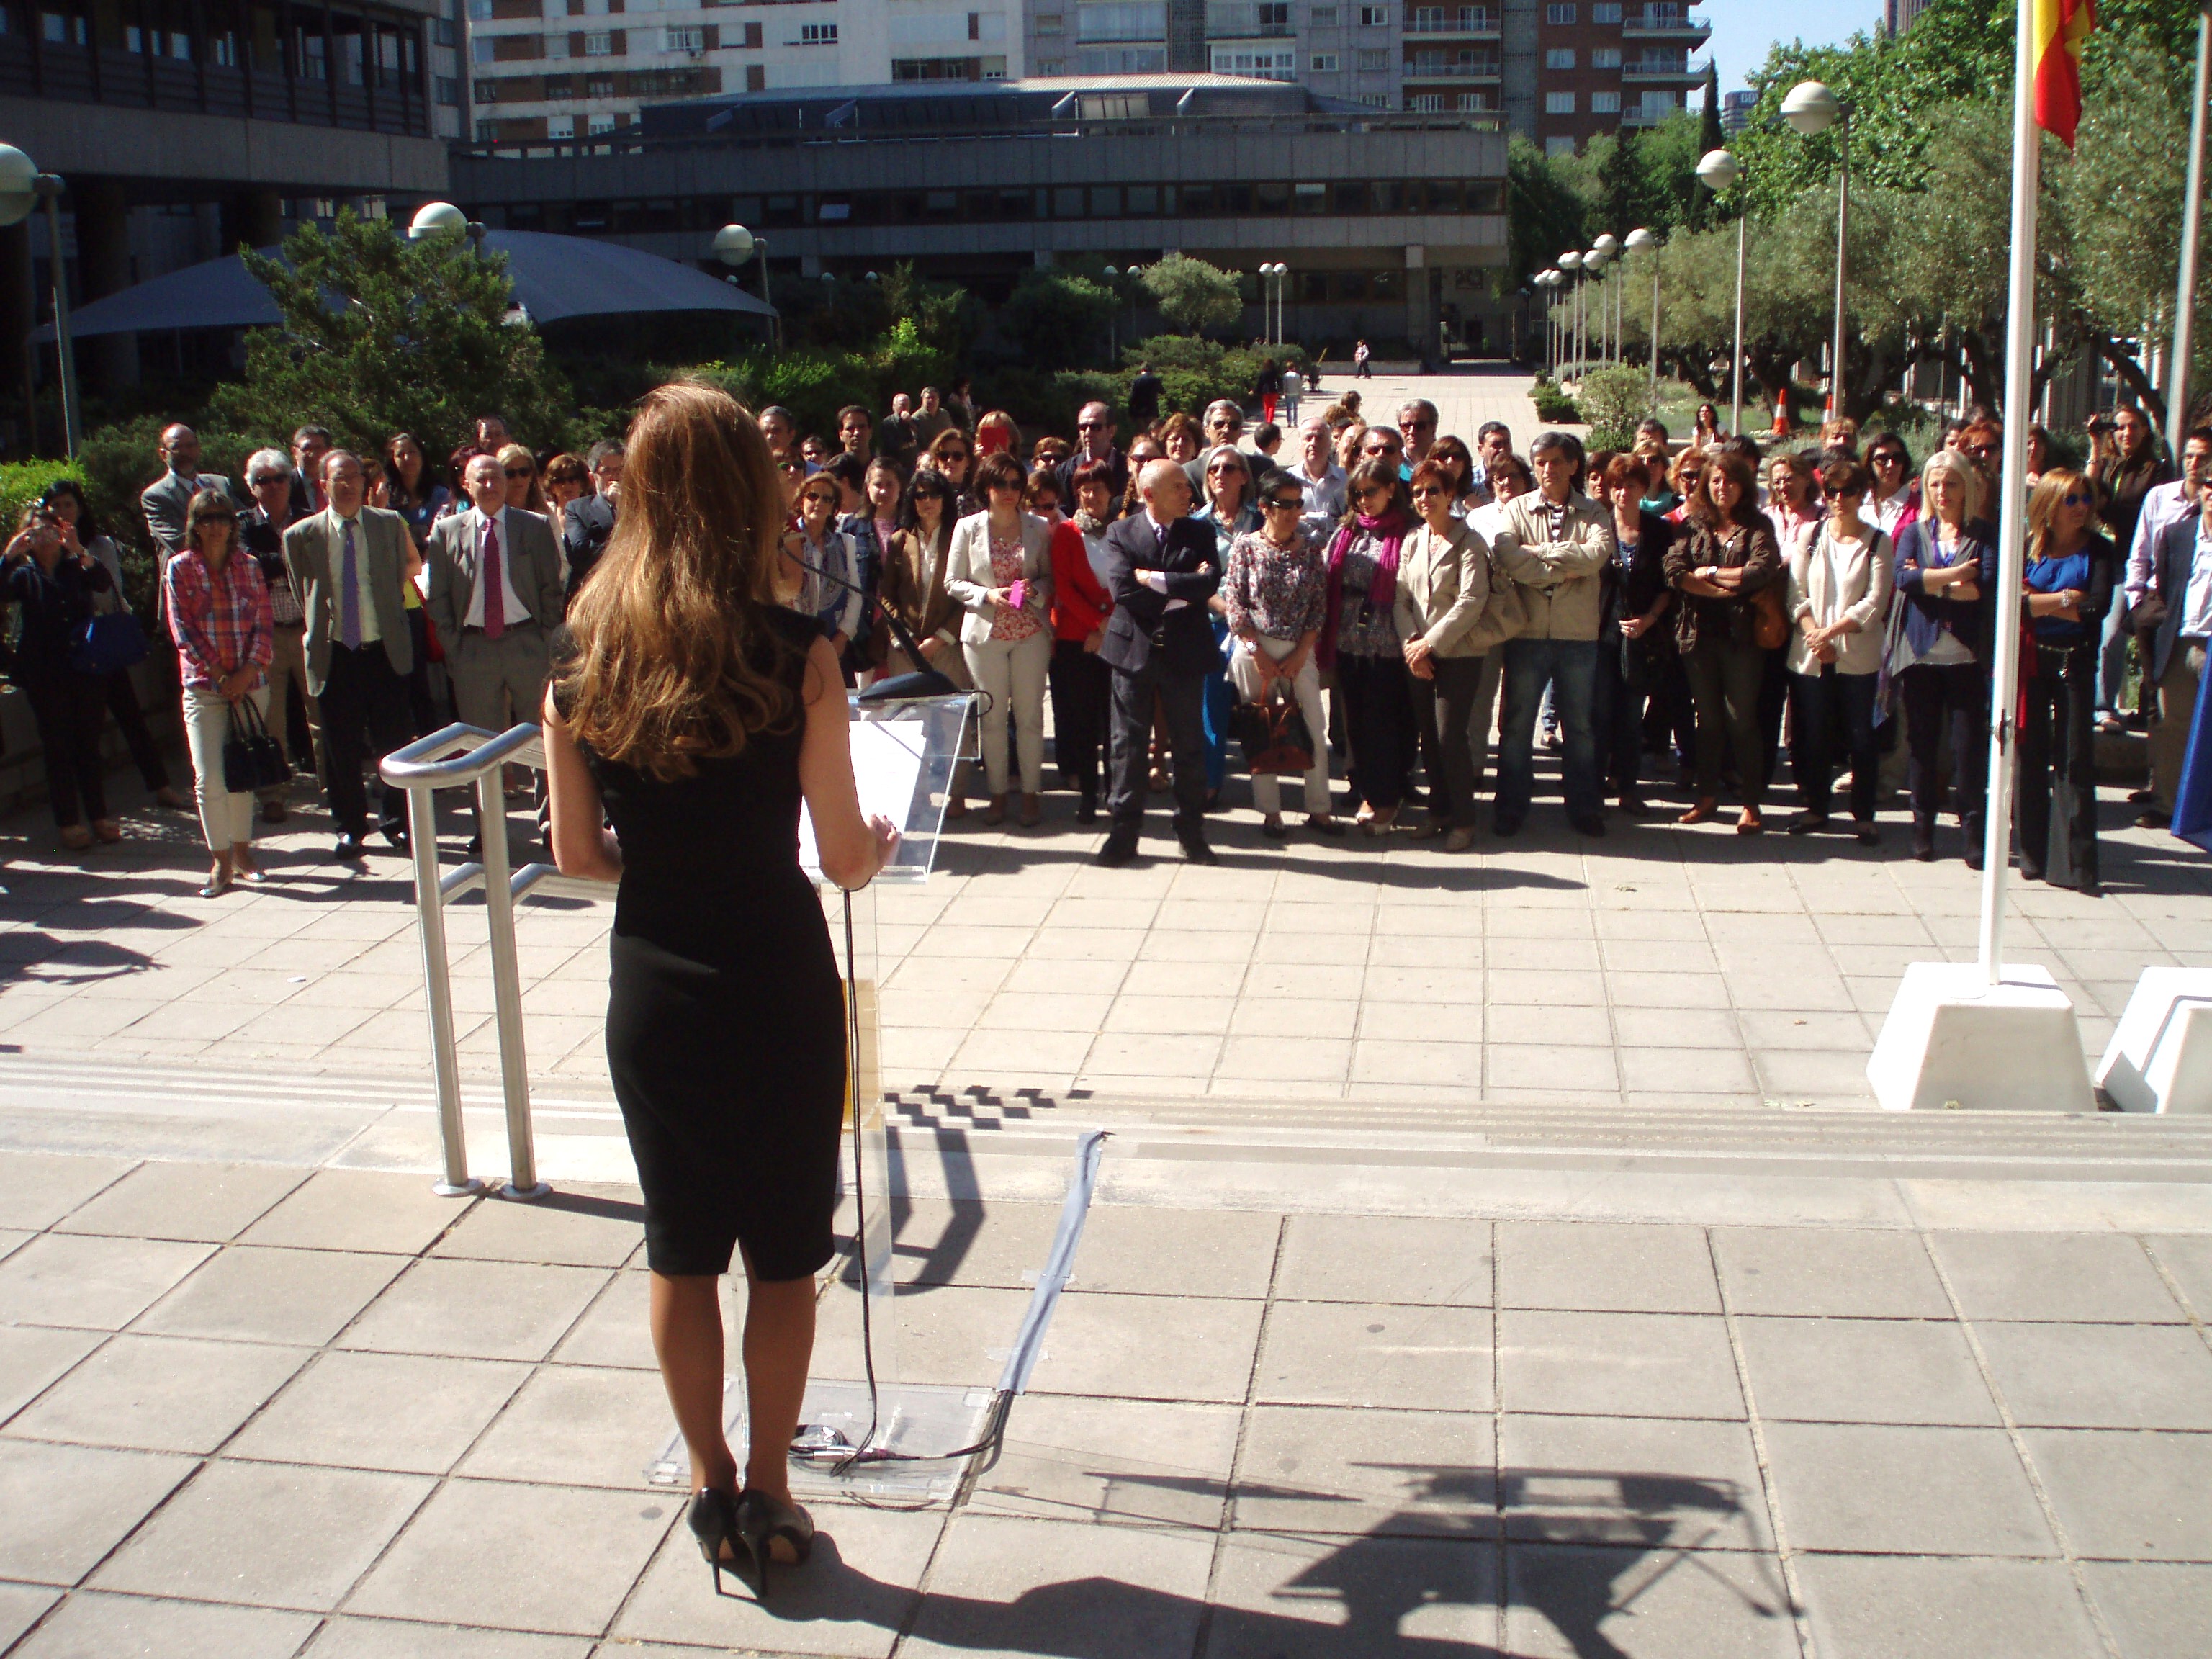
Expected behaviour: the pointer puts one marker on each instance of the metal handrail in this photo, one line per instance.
(453, 758)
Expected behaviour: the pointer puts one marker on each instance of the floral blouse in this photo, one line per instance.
(1280, 591)
(1007, 563)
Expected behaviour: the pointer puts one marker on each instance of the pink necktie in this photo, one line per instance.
(494, 592)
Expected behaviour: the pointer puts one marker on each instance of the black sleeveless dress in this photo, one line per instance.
(726, 1026)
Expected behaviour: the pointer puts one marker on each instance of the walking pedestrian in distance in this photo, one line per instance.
(1360, 354)
(696, 712)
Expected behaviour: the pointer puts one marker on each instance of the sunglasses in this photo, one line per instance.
(1839, 494)
(1886, 458)
(521, 472)
(817, 498)
(1090, 426)
(1224, 466)
(1295, 504)
(2074, 500)
(1430, 489)
(1416, 426)
(1371, 492)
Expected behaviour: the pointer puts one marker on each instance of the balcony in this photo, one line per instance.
(1437, 67)
(1479, 23)
(1654, 72)
(1248, 19)
(1656, 23)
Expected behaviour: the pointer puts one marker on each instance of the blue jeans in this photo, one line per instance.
(1569, 667)
(1220, 706)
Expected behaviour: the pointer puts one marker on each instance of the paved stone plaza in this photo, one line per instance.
(1492, 1254)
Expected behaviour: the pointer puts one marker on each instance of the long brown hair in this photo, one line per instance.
(1745, 513)
(676, 660)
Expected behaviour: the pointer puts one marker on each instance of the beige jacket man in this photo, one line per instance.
(1556, 573)
(313, 551)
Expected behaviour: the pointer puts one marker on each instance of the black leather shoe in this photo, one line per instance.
(395, 837)
(1195, 849)
(1589, 824)
(348, 849)
(1121, 847)
(1505, 826)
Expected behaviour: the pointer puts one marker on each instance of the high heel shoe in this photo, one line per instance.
(764, 1521)
(714, 1519)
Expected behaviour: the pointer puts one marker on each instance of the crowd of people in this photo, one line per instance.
(1370, 599)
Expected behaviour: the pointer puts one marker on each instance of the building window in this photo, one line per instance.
(448, 91)
(480, 11)
(1605, 57)
(1604, 103)
(486, 92)
(1320, 17)
(1605, 11)
(1426, 103)
(1471, 103)
(556, 45)
(598, 125)
(1266, 65)
(756, 78)
(1373, 60)
(684, 39)
(1559, 103)
(600, 43)
(441, 33)
(1324, 63)
(560, 126)
(482, 48)
(752, 41)
(1559, 145)
(1122, 20)
(1376, 99)
(1560, 12)
(487, 132)
(1560, 57)
(817, 34)
(599, 86)
(559, 89)
(1121, 60)
(1375, 17)
(1052, 23)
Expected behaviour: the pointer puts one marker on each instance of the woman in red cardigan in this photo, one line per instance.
(1082, 685)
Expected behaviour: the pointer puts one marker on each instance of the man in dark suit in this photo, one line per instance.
(496, 597)
(587, 521)
(1162, 568)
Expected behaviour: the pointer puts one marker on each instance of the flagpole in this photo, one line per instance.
(2020, 360)
(2192, 218)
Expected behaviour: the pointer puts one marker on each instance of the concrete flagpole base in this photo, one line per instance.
(2160, 1059)
(1952, 1041)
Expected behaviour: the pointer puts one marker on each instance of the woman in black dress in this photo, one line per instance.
(694, 712)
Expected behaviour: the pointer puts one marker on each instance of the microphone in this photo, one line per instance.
(899, 688)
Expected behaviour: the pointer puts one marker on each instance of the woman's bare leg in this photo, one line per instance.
(687, 1338)
(778, 1344)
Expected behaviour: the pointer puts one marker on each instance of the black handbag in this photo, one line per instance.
(1273, 733)
(252, 759)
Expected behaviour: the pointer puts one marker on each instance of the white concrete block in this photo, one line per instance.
(1952, 1041)
(2160, 1059)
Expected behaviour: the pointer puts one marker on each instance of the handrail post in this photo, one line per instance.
(438, 994)
(522, 1182)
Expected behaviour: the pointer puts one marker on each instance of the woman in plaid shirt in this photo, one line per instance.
(219, 615)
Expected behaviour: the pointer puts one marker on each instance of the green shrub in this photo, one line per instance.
(1553, 406)
(22, 483)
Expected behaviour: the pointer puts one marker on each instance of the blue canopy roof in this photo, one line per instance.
(555, 278)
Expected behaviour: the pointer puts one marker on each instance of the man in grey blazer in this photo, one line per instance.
(496, 597)
(348, 564)
(2177, 589)
(166, 501)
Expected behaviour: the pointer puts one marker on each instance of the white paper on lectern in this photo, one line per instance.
(887, 757)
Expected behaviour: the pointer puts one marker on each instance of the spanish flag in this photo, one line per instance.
(2061, 25)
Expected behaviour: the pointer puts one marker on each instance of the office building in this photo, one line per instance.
(1389, 223)
(181, 132)
(1736, 111)
(1560, 69)
(1899, 15)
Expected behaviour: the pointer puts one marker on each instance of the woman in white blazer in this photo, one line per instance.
(1841, 583)
(999, 570)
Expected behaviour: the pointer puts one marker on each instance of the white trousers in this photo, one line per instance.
(226, 818)
(1012, 673)
(1244, 674)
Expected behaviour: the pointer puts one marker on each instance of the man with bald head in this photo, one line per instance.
(1162, 566)
(166, 500)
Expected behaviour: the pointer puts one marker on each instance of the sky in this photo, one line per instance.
(1743, 30)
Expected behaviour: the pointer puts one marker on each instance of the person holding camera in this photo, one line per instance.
(54, 592)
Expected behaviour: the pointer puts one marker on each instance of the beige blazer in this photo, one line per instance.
(968, 576)
(1444, 584)
(1830, 581)
(312, 555)
(1561, 589)
(533, 567)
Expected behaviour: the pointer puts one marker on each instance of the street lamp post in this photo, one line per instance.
(733, 246)
(1608, 249)
(1549, 281)
(1570, 262)
(2193, 217)
(1595, 262)
(1113, 276)
(23, 187)
(1721, 173)
(1812, 108)
(1641, 240)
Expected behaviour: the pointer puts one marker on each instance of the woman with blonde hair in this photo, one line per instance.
(1939, 655)
(2072, 567)
(695, 713)
(523, 492)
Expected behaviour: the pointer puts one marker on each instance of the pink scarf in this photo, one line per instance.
(1389, 530)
